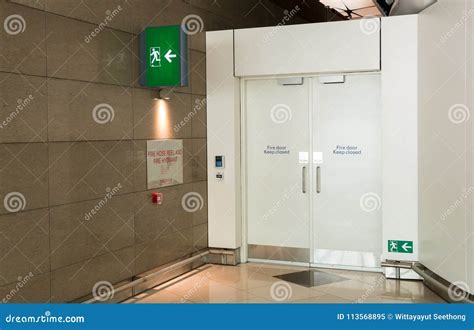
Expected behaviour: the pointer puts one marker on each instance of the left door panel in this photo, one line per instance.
(278, 173)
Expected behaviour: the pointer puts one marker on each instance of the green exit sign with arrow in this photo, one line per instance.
(163, 57)
(400, 246)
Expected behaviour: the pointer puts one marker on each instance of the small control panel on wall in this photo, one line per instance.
(219, 161)
(219, 164)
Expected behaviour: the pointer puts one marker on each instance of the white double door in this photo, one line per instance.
(312, 153)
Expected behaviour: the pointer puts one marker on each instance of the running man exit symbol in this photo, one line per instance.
(155, 57)
(400, 246)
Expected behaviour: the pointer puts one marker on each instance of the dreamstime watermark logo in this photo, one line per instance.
(14, 202)
(370, 202)
(458, 291)
(454, 206)
(281, 291)
(103, 113)
(459, 113)
(199, 105)
(110, 14)
(110, 193)
(47, 317)
(14, 24)
(192, 202)
(281, 113)
(21, 105)
(289, 14)
(22, 281)
(454, 29)
(192, 24)
(369, 25)
(103, 291)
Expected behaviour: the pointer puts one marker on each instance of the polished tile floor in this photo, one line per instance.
(257, 283)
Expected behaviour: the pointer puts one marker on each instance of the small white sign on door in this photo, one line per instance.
(303, 157)
(318, 157)
(164, 159)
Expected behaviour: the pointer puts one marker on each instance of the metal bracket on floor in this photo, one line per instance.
(400, 270)
(223, 257)
(397, 266)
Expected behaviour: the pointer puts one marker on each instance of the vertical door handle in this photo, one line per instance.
(304, 180)
(318, 179)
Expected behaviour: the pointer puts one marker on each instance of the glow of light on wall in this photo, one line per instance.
(161, 120)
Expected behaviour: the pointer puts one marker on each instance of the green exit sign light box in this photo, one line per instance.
(163, 57)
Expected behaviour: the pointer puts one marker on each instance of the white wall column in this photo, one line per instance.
(446, 141)
(223, 138)
(400, 133)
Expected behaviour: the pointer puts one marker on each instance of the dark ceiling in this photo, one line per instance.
(311, 10)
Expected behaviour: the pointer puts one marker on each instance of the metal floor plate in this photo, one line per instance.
(310, 278)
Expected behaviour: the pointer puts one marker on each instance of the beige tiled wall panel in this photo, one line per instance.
(200, 215)
(165, 249)
(106, 58)
(28, 289)
(78, 280)
(23, 47)
(23, 108)
(166, 12)
(197, 67)
(114, 13)
(84, 111)
(199, 160)
(200, 237)
(199, 116)
(86, 170)
(24, 245)
(23, 176)
(85, 230)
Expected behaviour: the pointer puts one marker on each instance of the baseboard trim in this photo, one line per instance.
(451, 292)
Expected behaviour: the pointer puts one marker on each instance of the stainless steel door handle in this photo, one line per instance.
(318, 179)
(304, 180)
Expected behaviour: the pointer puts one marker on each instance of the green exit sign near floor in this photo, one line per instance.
(163, 57)
(400, 246)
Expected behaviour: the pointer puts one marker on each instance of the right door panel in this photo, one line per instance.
(347, 219)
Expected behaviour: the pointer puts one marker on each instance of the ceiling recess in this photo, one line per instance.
(353, 9)
(403, 7)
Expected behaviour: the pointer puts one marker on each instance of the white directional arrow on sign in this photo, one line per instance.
(169, 56)
(406, 247)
